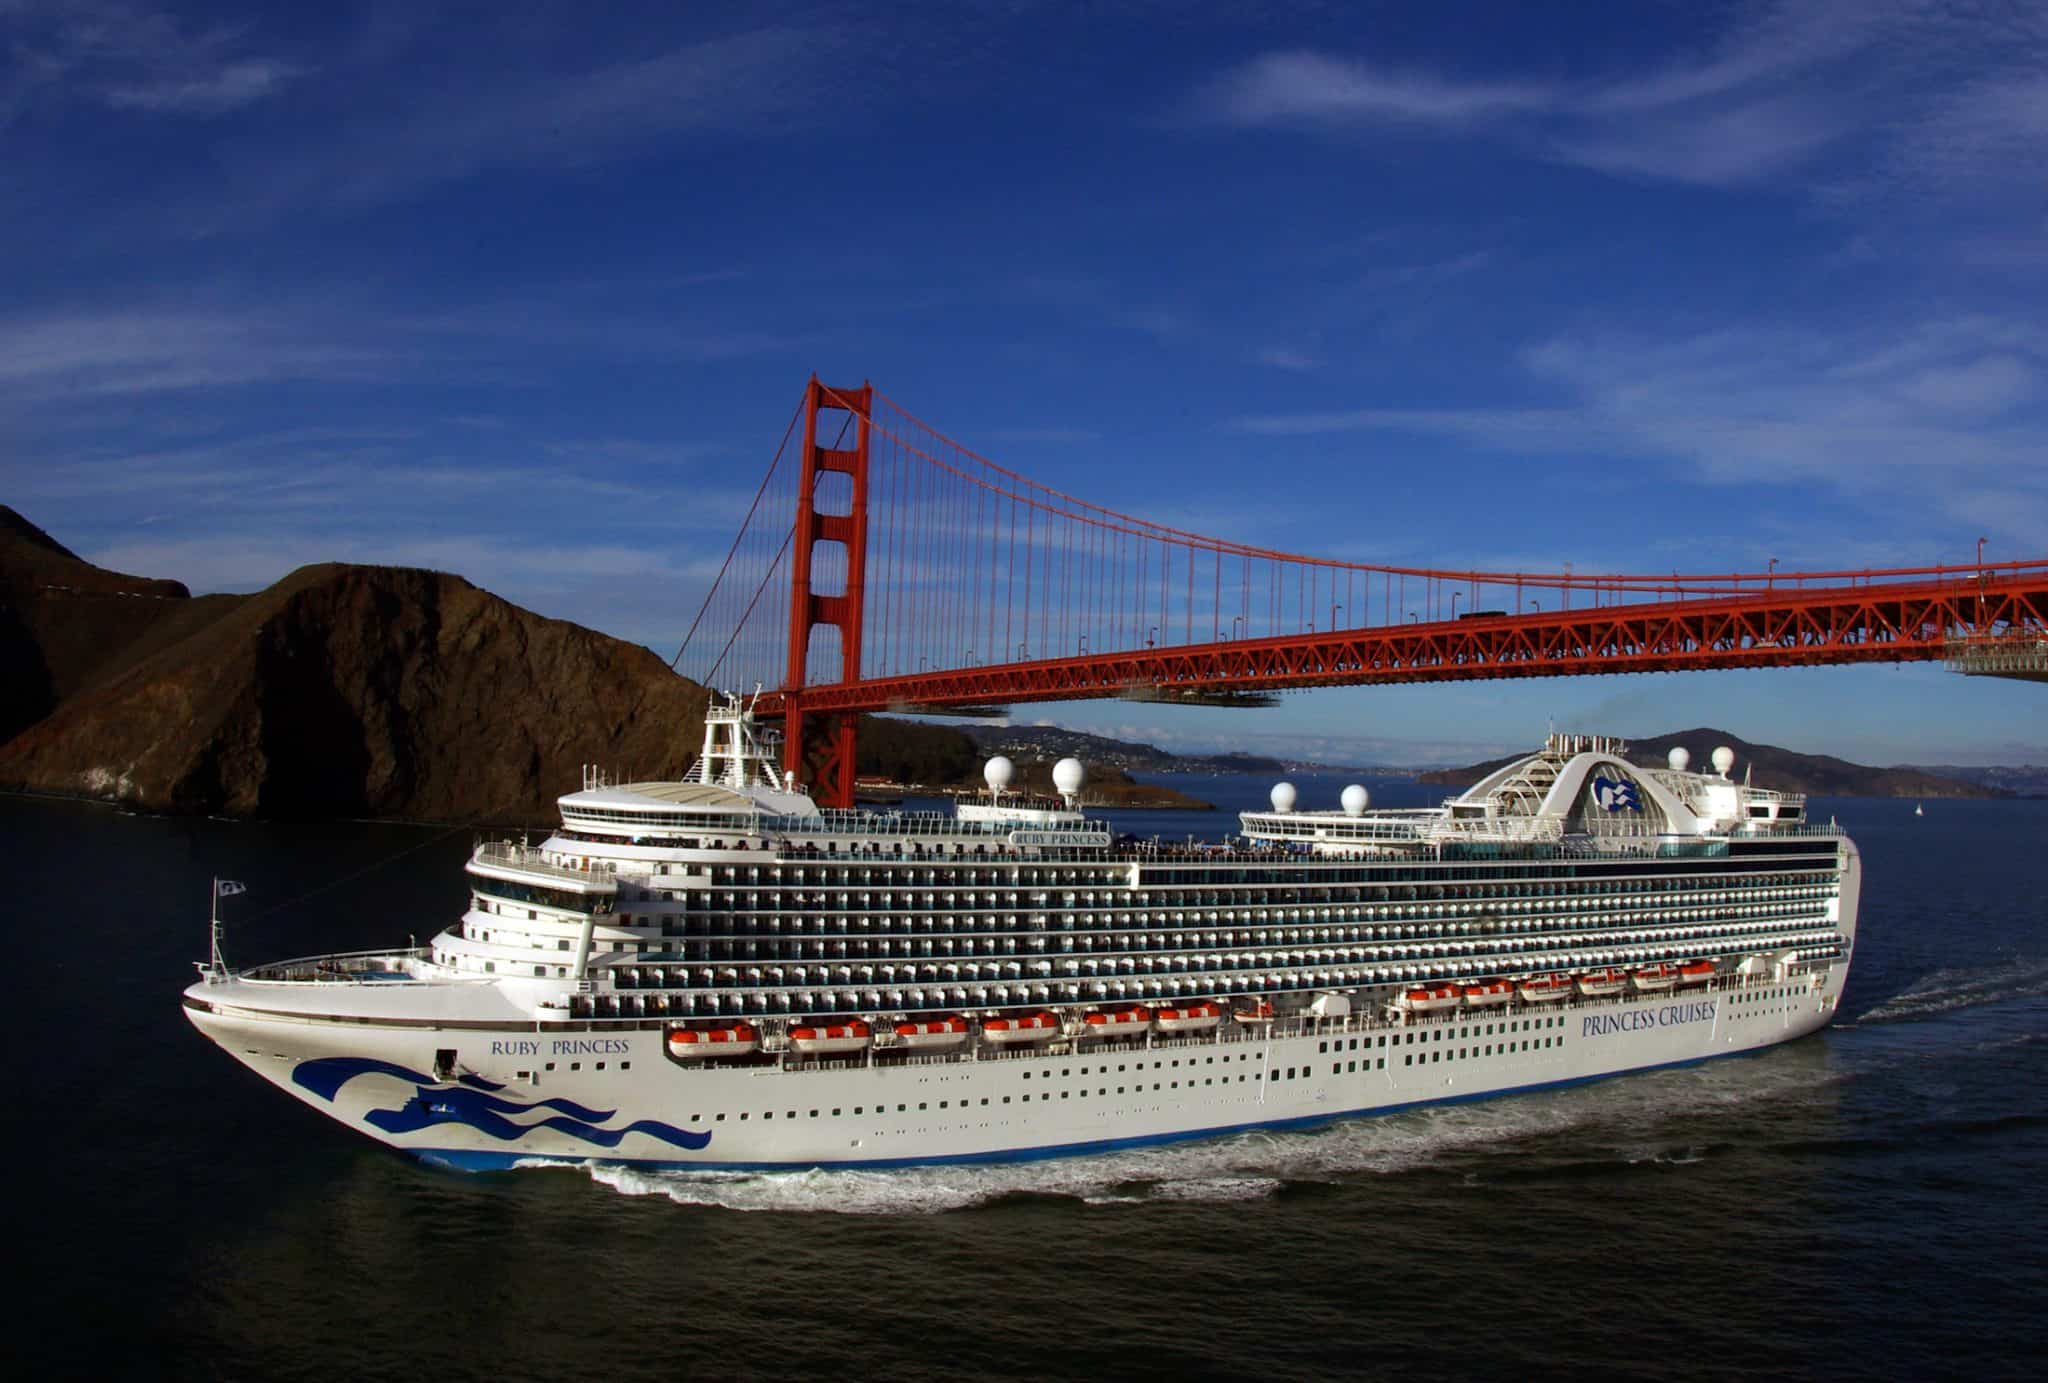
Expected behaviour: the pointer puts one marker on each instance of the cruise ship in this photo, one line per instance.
(717, 973)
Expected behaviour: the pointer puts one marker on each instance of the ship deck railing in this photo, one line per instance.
(529, 860)
(780, 850)
(342, 967)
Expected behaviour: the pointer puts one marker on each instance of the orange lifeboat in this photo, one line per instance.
(1488, 995)
(1544, 989)
(1253, 1011)
(1696, 972)
(1655, 979)
(837, 1037)
(713, 1039)
(1598, 984)
(1117, 1022)
(932, 1034)
(1202, 1017)
(1432, 998)
(1010, 1028)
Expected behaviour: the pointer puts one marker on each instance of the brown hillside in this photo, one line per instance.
(371, 691)
(63, 621)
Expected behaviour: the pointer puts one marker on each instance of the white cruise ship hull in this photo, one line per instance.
(537, 1027)
(615, 1097)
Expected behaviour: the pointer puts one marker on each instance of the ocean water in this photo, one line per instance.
(1866, 1203)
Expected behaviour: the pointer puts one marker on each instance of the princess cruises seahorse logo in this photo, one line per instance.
(1616, 795)
(473, 1102)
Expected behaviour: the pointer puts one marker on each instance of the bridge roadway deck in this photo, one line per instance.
(1900, 621)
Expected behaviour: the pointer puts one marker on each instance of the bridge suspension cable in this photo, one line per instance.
(970, 564)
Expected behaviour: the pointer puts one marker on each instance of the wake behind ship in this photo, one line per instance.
(716, 973)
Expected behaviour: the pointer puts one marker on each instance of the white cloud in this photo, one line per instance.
(209, 93)
(142, 351)
(1937, 94)
(525, 111)
(1282, 87)
(1282, 358)
(1947, 412)
(131, 57)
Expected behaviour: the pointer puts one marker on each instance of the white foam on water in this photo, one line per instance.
(1629, 1117)
(1240, 1167)
(1947, 990)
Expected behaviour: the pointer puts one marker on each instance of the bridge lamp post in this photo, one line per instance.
(1235, 621)
(1151, 635)
(1980, 586)
(1771, 573)
(1334, 608)
(1083, 646)
(1412, 616)
(1020, 652)
(1454, 603)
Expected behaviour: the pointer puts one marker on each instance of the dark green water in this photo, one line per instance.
(1867, 1203)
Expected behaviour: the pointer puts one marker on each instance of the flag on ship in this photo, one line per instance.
(228, 888)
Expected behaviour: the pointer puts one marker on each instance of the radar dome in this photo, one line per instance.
(1283, 797)
(1680, 758)
(1068, 775)
(1356, 799)
(997, 773)
(1724, 759)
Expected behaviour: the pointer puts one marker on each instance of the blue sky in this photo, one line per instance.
(528, 292)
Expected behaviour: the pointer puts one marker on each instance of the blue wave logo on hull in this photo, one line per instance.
(470, 1102)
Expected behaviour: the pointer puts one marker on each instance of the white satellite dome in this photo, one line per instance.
(1724, 759)
(1284, 797)
(1356, 799)
(997, 773)
(1068, 775)
(1680, 758)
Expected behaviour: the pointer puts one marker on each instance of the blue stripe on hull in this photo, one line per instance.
(476, 1161)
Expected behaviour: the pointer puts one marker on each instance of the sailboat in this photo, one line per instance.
(1917, 811)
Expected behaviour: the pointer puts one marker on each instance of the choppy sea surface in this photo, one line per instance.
(1871, 1202)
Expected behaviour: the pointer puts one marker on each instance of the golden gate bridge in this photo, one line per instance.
(883, 566)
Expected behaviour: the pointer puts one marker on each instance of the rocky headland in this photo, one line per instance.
(339, 691)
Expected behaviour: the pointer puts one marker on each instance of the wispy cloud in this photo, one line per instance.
(1948, 411)
(1316, 87)
(131, 57)
(527, 112)
(115, 352)
(1783, 85)
(1284, 358)
(1049, 436)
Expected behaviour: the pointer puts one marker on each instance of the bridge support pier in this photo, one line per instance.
(828, 738)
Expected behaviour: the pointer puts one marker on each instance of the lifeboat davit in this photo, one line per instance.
(1655, 979)
(835, 1038)
(1248, 1011)
(1117, 1022)
(1488, 995)
(1202, 1017)
(1432, 998)
(932, 1034)
(1544, 989)
(1598, 984)
(717, 1039)
(1041, 1026)
(1696, 972)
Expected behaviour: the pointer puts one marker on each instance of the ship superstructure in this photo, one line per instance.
(716, 972)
